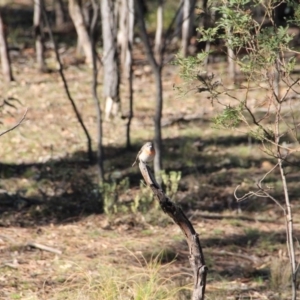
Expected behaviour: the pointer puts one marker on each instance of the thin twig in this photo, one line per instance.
(263, 178)
(249, 194)
(14, 127)
(274, 200)
(66, 87)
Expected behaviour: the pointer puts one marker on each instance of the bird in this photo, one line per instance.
(146, 154)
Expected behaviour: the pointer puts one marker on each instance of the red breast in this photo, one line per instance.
(150, 152)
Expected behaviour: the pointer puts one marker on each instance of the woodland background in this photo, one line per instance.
(96, 81)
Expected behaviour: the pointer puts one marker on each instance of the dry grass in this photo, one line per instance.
(141, 255)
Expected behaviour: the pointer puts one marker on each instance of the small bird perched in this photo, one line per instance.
(146, 154)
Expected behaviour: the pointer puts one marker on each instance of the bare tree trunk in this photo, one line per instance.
(159, 31)
(125, 40)
(157, 123)
(289, 228)
(5, 59)
(231, 63)
(86, 8)
(122, 35)
(100, 155)
(110, 59)
(288, 210)
(128, 68)
(37, 25)
(60, 14)
(178, 21)
(130, 115)
(156, 68)
(203, 17)
(157, 71)
(188, 16)
(230, 56)
(83, 36)
(203, 23)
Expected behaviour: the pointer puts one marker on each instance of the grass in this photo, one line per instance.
(108, 279)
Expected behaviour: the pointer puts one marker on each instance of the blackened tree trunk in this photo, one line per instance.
(110, 59)
(5, 60)
(37, 26)
(81, 29)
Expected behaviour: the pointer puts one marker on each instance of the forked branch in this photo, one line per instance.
(261, 192)
(175, 212)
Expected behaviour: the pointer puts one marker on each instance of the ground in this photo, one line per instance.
(133, 250)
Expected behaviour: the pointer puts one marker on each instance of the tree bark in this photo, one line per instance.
(122, 35)
(231, 63)
(5, 59)
(39, 44)
(188, 16)
(204, 23)
(110, 59)
(128, 67)
(100, 154)
(86, 12)
(230, 56)
(60, 15)
(83, 35)
(159, 31)
(157, 123)
(125, 41)
(156, 68)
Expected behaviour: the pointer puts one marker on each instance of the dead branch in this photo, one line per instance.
(14, 127)
(43, 247)
(175, 212)
(245, 196)
(13, 265)
(261, 192)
